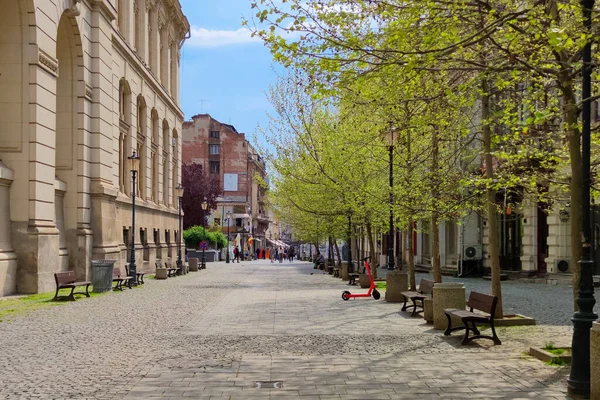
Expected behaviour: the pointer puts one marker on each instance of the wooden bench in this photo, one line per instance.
(480, 302)
(67, 280)
(121, 279)
(425, 291)
(138, 274)
(353, 276)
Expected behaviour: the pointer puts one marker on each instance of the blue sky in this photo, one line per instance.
(224, 72)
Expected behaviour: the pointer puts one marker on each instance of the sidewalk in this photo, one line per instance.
(214, 334)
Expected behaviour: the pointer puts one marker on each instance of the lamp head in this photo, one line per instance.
(391, 136)
(204, 205)
(179, 190)
(134, 162)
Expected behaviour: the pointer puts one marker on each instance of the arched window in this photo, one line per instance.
(175, 159)
(165, 132)
(153, 156)
(142, 130)
(165, 164)
(124, 135)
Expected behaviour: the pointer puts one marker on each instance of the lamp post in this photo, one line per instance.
(390, 137)
(228, 238)
(579, 379)
(134, 166)
(350, 266)
(204, 208)
(179, 190)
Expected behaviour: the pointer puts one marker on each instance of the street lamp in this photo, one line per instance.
(228, 236)
(391, 138)
(134, 166)
(204, 208)
(579, 379)
(179, 190)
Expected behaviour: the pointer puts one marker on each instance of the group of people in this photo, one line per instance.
(277, 253)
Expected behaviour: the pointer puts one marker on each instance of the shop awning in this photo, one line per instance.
(277, 243)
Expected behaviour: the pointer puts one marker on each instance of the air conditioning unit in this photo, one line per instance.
(472, 252)
(562, 266)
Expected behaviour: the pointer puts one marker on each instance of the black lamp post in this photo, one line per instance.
(228, 238)
(204, 208)
(579, 379)
(390, 137)
(179, 190)
(134, 166)
(350, 266)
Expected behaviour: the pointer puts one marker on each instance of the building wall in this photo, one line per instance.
(64, 65)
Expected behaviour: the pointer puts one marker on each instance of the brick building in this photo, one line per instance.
(222, 150)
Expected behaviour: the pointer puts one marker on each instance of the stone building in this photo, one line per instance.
(83, 84)
(222, 150)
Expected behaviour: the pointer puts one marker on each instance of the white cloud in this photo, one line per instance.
(202, 37)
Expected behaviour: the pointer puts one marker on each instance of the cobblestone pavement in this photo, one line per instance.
(213, 334)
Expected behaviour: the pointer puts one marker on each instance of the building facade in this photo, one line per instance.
(85, 83)
(222, 150)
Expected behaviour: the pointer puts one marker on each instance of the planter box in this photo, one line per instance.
(161, 273)
(546, 356)
(514, 320)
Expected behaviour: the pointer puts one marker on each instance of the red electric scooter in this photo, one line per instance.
(372, 291)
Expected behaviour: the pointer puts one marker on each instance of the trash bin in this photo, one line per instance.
(102, 273)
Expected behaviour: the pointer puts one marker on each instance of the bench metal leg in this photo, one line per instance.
(56, 295)
(72, 295)
(414, 306)
(404, 305)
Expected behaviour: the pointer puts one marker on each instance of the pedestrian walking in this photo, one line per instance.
(236, 254)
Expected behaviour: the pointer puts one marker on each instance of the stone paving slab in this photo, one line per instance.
(212, 334)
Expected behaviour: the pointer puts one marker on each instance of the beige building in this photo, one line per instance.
(84, 83)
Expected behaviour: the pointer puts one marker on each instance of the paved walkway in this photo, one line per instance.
(214, 334)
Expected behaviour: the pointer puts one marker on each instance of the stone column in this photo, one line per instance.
(60, 189)
(446, 295)
(595, 361)
(395, 283)
(8, 259)
(103, 134)
(529, 259)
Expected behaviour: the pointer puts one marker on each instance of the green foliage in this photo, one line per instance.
(196, 234)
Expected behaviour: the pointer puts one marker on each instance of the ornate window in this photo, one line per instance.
(124, 135)
(165, 165)
(153, 156)
(174, 158)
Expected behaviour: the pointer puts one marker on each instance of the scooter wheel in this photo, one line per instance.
(376, 294)
(346, 295)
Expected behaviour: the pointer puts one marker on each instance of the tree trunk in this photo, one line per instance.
(435, 231)
(435, 244)
(411, 256)
(491, 197)
(372, 250)
(573, 136)
(337, 251)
